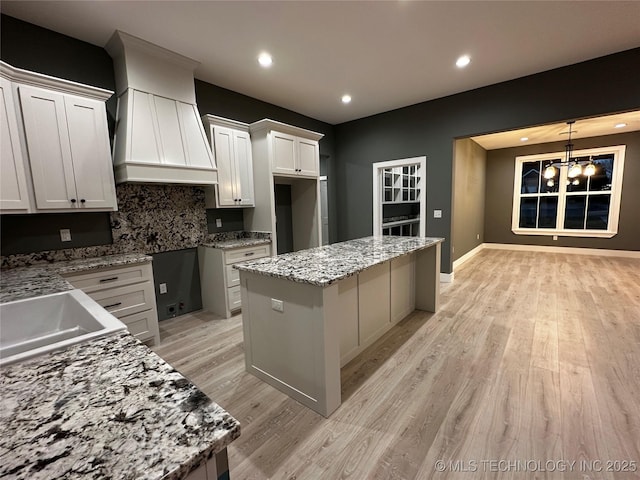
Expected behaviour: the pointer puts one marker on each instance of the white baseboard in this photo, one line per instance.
(565, 250)
(467, 256)
(446, 277)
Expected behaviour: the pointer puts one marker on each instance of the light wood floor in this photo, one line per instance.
(532, 359)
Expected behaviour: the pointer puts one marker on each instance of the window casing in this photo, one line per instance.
(576, 207)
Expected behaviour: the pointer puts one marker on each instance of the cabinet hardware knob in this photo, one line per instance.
(73, 200)
(110, 279)
(82, 200)
(248, 254)
(112, 305)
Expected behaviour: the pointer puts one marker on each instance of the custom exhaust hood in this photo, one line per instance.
(159, 136)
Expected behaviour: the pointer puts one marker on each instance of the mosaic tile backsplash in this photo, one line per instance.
(150, 219)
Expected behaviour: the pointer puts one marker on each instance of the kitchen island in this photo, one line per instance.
(306, 314)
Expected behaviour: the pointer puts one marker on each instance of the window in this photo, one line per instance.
(583, 206)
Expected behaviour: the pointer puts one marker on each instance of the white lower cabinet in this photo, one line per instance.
(216, 468)
(127, 293)
(219, 281)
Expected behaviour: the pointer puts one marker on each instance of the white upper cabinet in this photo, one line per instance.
(293, 151)
(294, 155)
(64, 127)
(14, 197)
(67, 139)
(231, 144)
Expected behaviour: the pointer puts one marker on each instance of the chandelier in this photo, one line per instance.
(574, 165)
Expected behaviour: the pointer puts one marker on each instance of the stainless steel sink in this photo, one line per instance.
(39, 325)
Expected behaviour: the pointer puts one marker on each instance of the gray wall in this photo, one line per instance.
(469, 166)
(600, 86)
(499, 195)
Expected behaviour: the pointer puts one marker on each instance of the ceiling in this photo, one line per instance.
(385, 54)
(559, 132)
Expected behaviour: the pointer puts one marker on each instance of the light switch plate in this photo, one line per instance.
(218, 222)
(65, 235)
(163, 288)
(437, 214)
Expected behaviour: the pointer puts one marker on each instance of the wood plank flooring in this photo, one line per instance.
(532, 363)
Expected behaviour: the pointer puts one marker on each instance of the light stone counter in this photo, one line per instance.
(44, 279)
(325, 265)
(106, 409)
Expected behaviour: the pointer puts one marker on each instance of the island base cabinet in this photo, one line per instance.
(297, 335)
(291, 342)
(216, 468)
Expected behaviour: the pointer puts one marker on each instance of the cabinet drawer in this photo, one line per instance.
(123, 301)
(233, 294)
(233, 276)
(247, 253)
(110, 278)
(140, 325)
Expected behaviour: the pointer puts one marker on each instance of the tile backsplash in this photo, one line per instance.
(150, 219)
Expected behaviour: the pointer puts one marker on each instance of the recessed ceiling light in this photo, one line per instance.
(524, 139)
(463, 61)
(346, 98)
(620, 125)
(265, 60)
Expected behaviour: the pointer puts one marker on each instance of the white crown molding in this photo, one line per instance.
(35, 79)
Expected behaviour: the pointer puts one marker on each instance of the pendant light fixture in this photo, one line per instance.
(573, 165)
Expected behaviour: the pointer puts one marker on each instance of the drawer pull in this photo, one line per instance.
(110, 279)
(248, 254)
(113, 305)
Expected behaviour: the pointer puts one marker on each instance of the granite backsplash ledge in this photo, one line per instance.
(150, 219)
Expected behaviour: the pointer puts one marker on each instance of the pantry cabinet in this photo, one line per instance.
(14, 197)
(287, 186)
(231, 146)
(61, 144)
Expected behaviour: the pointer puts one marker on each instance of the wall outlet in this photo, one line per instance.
(163, 288)
(172, 310)
(218, 222)
(437, 214)
(65, 235)
(555, 237)
(277, 305)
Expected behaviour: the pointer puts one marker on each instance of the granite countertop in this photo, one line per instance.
(108, 408)
(325, 265)
(37, 280)
(230, 240)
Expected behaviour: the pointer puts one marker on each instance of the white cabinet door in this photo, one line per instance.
(244, 168)
(223, 145)
(308, 157)
(283, 153)
(13, 184)
(47, 137)
(89, 141)
(68, 150)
